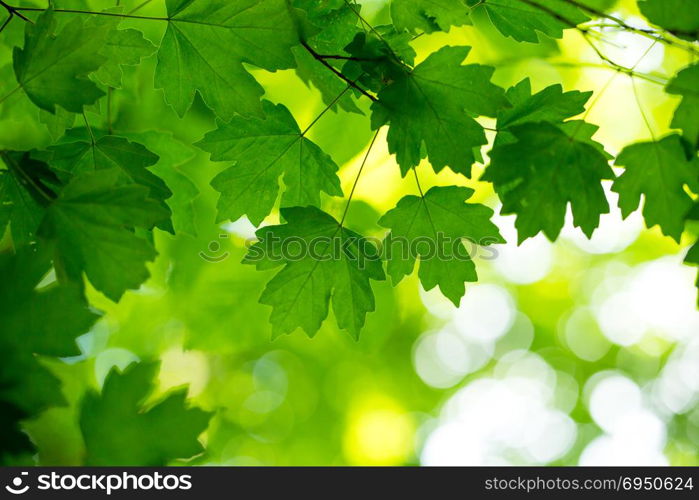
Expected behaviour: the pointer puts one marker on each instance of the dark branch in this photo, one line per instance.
(7, 21)
(620, 22)
(377, 34)
(325, 63)
(652, 34)
(14, 11)
(348, 58)
(75, 11)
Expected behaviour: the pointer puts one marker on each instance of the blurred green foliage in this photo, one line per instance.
(567, 316)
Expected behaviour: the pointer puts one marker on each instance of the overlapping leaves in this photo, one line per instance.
(263, 151)
(92, 223)
(523, 20)
(207, 42)
(540, 163)
(429, 15)
(686, 117)
(444, 97)
(681, 17)
(52, 68)
(537, 176)
(94, 197)
(336, 24)
(90, 216)
(39, 318)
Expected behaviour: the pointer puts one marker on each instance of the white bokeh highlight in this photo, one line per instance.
(506, 419)
(634, 435)
(521, 264)
(657, 297)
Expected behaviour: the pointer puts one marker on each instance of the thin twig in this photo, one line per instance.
(417, 181)
(139, 6)
(16, 11)
(325, 63)
(598, 98)
(87, 12)
(7, 21)
(424, 202)
(7, 96)
(325, 110)
(660, 80)
(109, 110)
(47, 194)
(89, 129)
(640, 109)
(348, 58)
(356, 179)
(653, 34)
(378, 35)
(629, 72)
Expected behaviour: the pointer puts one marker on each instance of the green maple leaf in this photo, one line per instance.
(91, 224)
(550, 104)
(381, 57)
(321, 259)
(122, 48)
(264, 150)
(26, 188)
(35, 321)
(537, 176)
(206, 43)
(441, 219)
(429, 15)
(336, 25)
(77, 154)
(53, 69)
(681, 17)
(443, 96)
(44, 320)
(658, 170)
(12, 440)
(120, 429)
(172, 156)
(686, 117)
(522, 19)
(582, 131)
(384, 37)
(58, 122)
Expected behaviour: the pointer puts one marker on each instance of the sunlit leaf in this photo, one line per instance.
(432, 228)
(327, 261)
(658, 170)
(264, 151)
(444, 96)
(537, 176)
